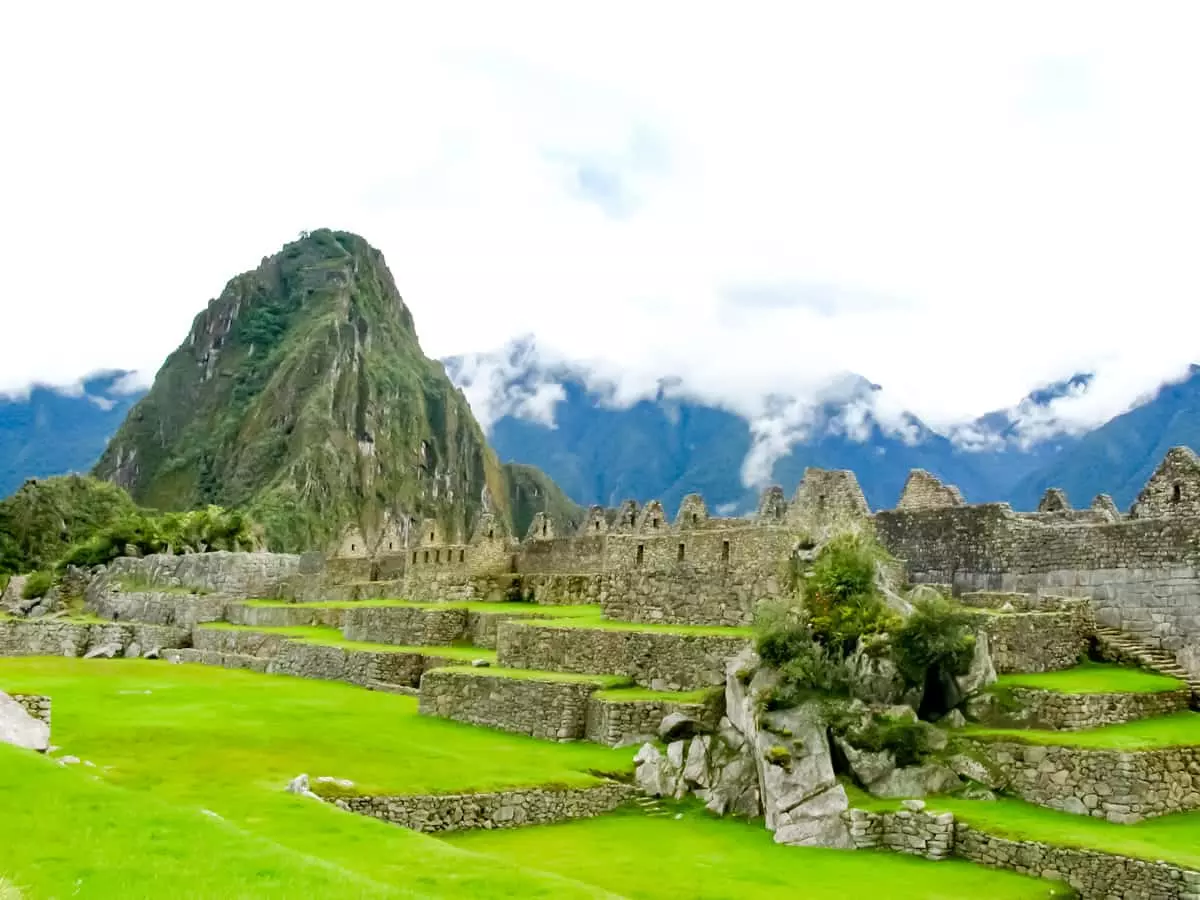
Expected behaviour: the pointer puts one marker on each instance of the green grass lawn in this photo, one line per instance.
(1095, 678)
(630, 695)
(1171, 838)
(1178, 730)
(605, 681)
(595, 620)
(68, 832)
(331, 637)
(699, 856)
(512, 608)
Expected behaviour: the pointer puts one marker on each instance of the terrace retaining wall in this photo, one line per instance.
(55, 637)
(1056, 711)
(659, 660)
(498, 809)
(552, 710)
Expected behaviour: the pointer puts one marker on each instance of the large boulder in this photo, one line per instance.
(915, 781)
(980, 673)
(19, 728)
(875, 678)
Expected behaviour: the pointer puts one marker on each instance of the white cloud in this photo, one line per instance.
(958, 204)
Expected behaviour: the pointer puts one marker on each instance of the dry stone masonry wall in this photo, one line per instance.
(916, 832)
(659, 660)
(1123, 787)
(36, 705)
(500, 809)
(619, 722)
(554, 710)
(1037, 641)
(1056, 711)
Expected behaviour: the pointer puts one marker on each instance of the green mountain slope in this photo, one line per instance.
(531, 491)
(302, 396)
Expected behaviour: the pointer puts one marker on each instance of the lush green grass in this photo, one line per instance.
(605, 681)
(1178, 730)
(69, 832)
(146, 720)
(512, 608)
(699, 856)
(1171, 838)
(630, 695)
(596, 621)
(331, 637)
(1095, 678)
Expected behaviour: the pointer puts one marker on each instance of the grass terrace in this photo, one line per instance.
(331, 637)
(608, 682)
(636, 694)
(514, 608)
(692, 854)
(1095, 678)
(1178, 730)
(1174, 838)
(595, 620)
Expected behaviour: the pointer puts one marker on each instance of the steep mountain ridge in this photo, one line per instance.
(301, 394)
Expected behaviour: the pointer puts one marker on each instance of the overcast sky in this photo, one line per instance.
(957, 205)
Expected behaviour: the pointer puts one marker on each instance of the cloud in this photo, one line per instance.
(751, 204)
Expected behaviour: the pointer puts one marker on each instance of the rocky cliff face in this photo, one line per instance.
(301, 394)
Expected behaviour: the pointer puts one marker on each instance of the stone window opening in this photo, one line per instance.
(462, 555)
(431, 535)
(437, 556)
(725, 551)
(654, 523)
(352, 548)
(426, 556)
(820, 501)
(641, 553)
(491, 533)
(695, 518)
(1176, 493)
(390, 547)
(544, 528)
(414, 557)
(597, 526)
(681, 551)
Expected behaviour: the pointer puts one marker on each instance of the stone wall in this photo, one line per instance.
(660, 660)
(550, 709)
(1037, 641)
(405, 625)
(1122, 787)
(924, 491)
(1095, 875)
(235, 575)
(1057, 711)
(620, 722)
(916, 832)
(158, 607)
(294, 615)
(55, 637)
(499, 809)
(36, 705)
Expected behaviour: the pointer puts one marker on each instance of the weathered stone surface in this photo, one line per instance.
(618, 722)
(553, 710)
(1119, 786)
(499, 809)
(55, 637)
(1056, 711)
(915, 781)
(19, 728)
(658, 660)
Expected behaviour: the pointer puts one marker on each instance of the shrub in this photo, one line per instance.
(907, 739)
(198, 531)
(37, 585)
(843, 601)
(938, 636)
(782, 631)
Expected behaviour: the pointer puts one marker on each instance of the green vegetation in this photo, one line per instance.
(510, 608)
(1174, 839)
(594, 620)
(314, 361)
(36, 585)
(531, 491)
(198, 531)
(1178, 730)
(841, 596)
(906, 738)
(691, 854)
(46, 516)
(631, 695)
(331, 637)
(936, 639)
(605, 681)
(1094, 678)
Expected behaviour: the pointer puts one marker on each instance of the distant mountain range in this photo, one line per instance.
(553, 417)
(53, 431)
(556, 418)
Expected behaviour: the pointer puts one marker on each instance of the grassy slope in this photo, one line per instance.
(698, 856)
(331, 637)
(1179, 730)
(1172, 838)
(66, 832)
(511, 608)
(1094, 678)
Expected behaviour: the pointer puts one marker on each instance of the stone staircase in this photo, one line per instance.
(1124, 647)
